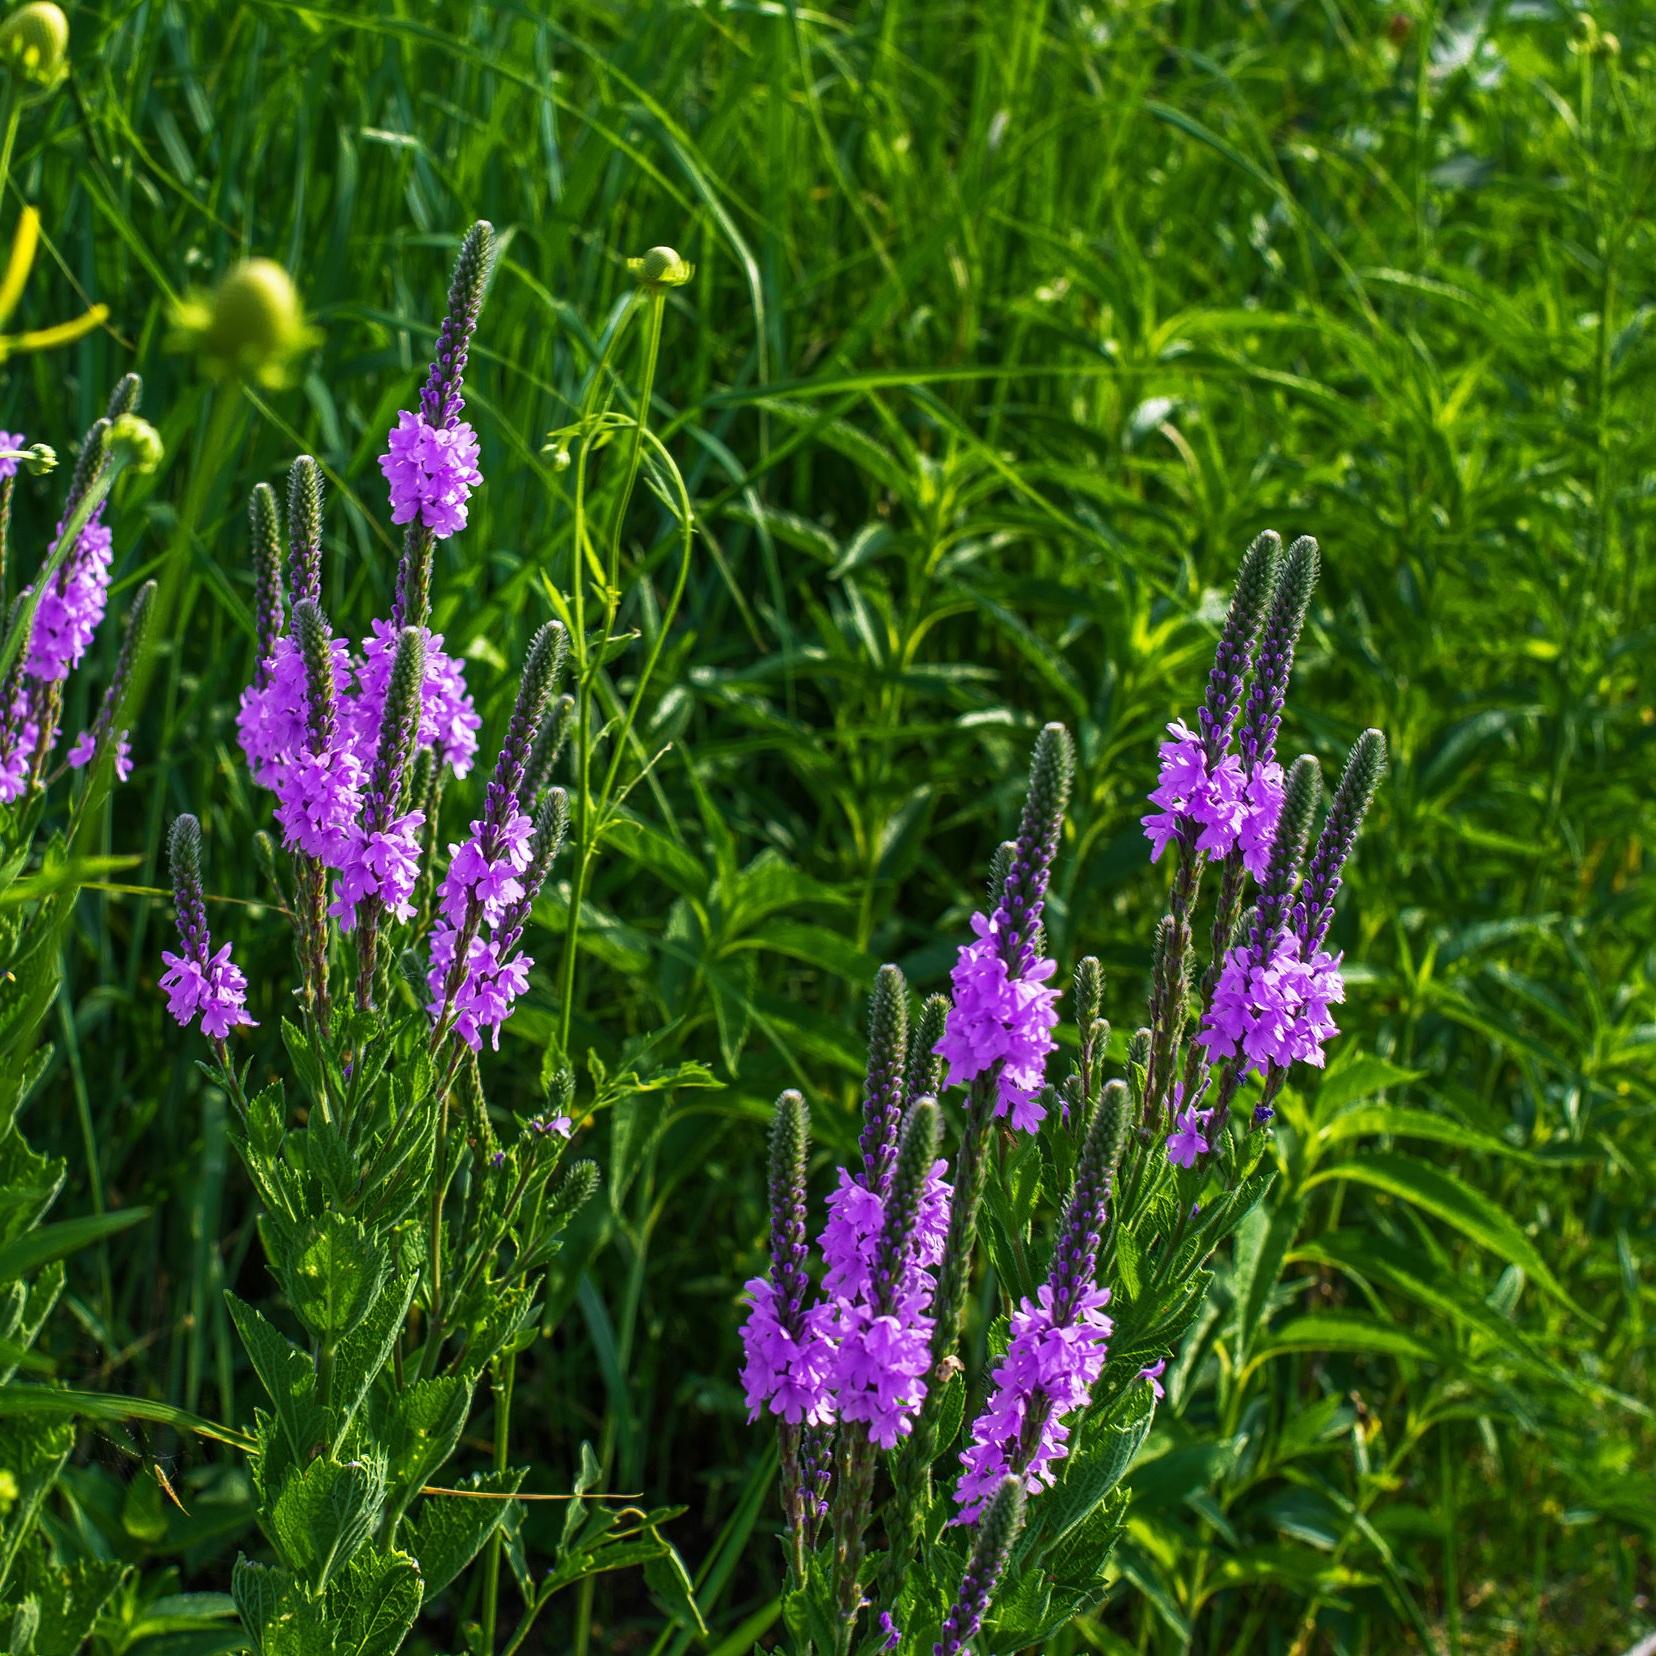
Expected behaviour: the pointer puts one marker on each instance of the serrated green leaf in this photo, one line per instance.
(325, 1512)
(334, 1274)
(287, 1374)
(448, 1531)
(376, 1602)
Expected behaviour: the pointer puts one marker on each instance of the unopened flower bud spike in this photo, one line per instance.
(1365, 765)
(882, 1105)
(924, 1067)
(305, 530)
(997, 1533)
(269, 599)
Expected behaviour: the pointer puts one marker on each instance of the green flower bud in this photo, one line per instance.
(661, 267)
(252, 327)
(135, 439)
(34, 45)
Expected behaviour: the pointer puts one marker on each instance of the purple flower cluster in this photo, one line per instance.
(784, 1371)
(1272, 1005)
(19, 735)
(198, 981)
(212, 987)
(1227, 806)
(1003, 1018)
(323, 798)
(16, 441)
(880, 1333)
(484, 887)
(432, 470)
(448, 721)
(274, 721)
(71, 604)
(382, 863)
(862, 1352)
(493, 979)
(1055, 1355)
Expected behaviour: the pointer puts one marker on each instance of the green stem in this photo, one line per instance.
(590, 663)
(505, 1375)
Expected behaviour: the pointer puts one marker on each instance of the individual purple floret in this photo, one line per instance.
(1001, 1019)
(432, 472)
(1153, 1373)
(17, 442)
(892, 1634)
(198, 982)
(1188, 1140)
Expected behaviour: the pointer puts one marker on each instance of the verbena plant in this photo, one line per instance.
(48, 1604)
(1099, 1192)
(408, 1231)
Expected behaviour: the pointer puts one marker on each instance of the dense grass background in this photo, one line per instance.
(1010, 327)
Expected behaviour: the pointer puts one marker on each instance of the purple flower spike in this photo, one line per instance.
(1058, 1341)
(1001, 1020)
(786, 1371)
(879, 1321)
(1002, 1520)
(431, 458)
(432, 472)
(198, 982)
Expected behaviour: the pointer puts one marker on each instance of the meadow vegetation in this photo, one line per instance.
(1009, 329)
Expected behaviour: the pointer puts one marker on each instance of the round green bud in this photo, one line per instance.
(256, 313)
(34, 44)
(40, 458)
(252, 326)
(138, 440)
(661, 267)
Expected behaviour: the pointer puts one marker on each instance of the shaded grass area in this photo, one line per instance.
(1008, 330)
